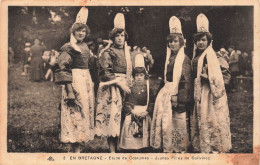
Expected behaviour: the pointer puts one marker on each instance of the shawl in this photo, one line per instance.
(214, 75)
(177, 69)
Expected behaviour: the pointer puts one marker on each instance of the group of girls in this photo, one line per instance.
(189, 114)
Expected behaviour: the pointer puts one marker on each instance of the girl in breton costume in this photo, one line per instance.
(77, 104)
(115, 79)
(210, 125)
(169, 128)
(137, 110)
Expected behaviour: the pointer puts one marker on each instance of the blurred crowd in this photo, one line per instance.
(240, 66)
(39, 63)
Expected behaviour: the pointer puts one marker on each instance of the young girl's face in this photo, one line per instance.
(80, 34)
(202, 43)
(139, 78)
(120, 39)
(174, 44)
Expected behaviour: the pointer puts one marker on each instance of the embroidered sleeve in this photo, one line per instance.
(105, 67)
(63, 75)
(129, 104)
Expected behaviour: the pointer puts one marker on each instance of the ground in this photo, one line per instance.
(33, 117)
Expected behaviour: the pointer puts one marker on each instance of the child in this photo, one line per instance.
(137, 110)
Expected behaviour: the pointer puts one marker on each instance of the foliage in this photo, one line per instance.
(146, 26)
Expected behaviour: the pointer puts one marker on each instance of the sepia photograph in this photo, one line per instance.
(155, 81)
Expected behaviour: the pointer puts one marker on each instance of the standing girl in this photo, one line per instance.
(169, 127)
(115, 79)
(77, 104)
(210, 123)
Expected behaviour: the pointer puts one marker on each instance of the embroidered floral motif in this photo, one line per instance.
(117, 117)
(106, 119)
(108, 111)
(77, 121)
(176, 137)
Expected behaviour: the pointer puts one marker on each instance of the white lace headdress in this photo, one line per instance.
(82, 18)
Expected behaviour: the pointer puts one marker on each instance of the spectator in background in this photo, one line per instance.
(248, 63)
(245, 67)
(19, 48)
(252, 62)
(223, 58)
(148, 58)
(26, 59)
(36, 61)
(50, 63)
(234, 66)
(43, 45)
(138, 49)
(99, 45)
(224, 54)
(102, 45)
(242, 63)
(10, 55)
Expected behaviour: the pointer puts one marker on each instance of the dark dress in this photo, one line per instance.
(37, 73)
(135, 133)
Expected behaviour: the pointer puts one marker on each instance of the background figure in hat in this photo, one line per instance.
(210, 123)
(137, 111)
(36, 71)
(77, 103)
(169, 127)
(115, 73)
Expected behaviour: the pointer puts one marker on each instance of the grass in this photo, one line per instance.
(33, 117)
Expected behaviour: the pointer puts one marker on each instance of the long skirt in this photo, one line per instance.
(108, 110)
(210, 123)
(36, 71)
(77, 121)
(129, 128)
(169, 128)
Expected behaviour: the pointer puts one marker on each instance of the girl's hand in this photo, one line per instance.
(107, 83)
(143, 114)
(204, 75)
(124, 86)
